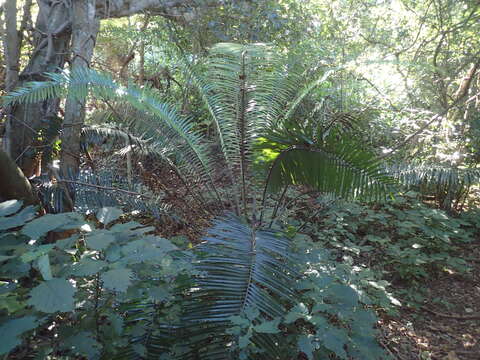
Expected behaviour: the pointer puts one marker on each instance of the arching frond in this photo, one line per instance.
(345, 170)
(241, 268)
(179, 130)
(429, 174)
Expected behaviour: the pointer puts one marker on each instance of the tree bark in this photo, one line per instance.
(28, 121)
(11, 45)
(84, 33)
(13, 184)
(120, 8)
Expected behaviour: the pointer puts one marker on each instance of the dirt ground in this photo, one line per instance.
(447, 325)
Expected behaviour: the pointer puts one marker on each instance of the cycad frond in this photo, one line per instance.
(241, 268)
(96, 135)
(178, 129)
(247, 89)
(429, 174)
(93, 191)
(344, 170)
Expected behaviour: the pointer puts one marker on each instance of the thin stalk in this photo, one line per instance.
(269, 177)
(129, 163)
(241, 125)
(315, 214)
(277, 205)
(97, 301)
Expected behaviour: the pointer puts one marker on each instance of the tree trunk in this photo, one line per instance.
(85, 27)
(12, 44)
(13, 184)
(29, 126)
(28, 123)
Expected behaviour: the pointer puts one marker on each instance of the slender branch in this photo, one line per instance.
(314, 215)
(277, 205)
(420, 130)
(241, 124)
(133, 193)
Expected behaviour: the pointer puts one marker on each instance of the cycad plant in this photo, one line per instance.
(448, 186)
(257, 293)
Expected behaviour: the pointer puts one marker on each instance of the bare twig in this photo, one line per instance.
(452, 316)
(133, 193)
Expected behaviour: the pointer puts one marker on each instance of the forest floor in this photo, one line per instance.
(447, 325)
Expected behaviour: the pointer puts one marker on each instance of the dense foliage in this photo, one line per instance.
(114, 290)
(321, 156)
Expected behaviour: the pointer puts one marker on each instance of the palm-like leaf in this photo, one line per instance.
(247, 89)
(450, 186)
(435, 175)
(178, 130)
(344, 170)
(241, 268)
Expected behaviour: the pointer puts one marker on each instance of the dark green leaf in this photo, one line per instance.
(87, 267)
(10, 331)
(99, 240)
(83, 343)
(306, 345)
(50, 222)
(52, 296)
(268, 327)
(19, 219)
(117, 279)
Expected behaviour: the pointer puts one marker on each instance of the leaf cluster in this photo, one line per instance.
(78, 290)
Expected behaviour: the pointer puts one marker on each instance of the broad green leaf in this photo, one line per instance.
(334, 340)
(50, 222)
(344, 294)
(11, 303)
(66, 243)
(146, 249)
(10, 331)
(117, 323)
(43, 263)
(252, 313)
(117, 279)
(239, 320)
(83, 343)
(108, 214)
(159, 293)
(10, 207)
(6, 257)
(244, 340)
(36, 252)
(268, 327)
(127, 227)
(87, 267)
(19, 219)
(99, 240)
(299, 311)
(306, 345)
(52, 296)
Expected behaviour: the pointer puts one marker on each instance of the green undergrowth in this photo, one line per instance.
(112, 289)
(402, 241)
